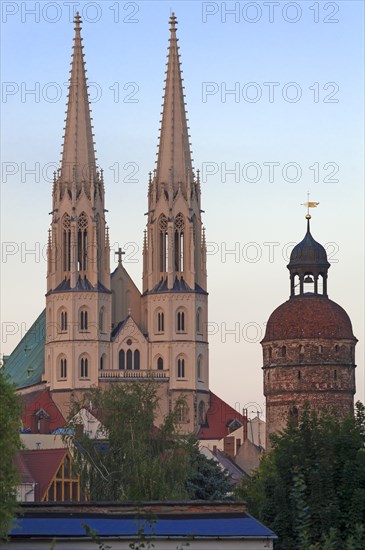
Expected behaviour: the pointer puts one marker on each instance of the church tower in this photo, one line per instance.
(309, 346)
(175, 298)
(78, 299)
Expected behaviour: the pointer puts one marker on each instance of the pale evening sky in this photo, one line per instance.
(275, 99)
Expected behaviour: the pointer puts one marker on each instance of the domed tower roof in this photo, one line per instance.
(309, 316)
(308, 254)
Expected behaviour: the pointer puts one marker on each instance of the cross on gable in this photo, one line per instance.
(119, 253)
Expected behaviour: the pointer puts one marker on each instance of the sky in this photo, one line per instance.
(275, 99)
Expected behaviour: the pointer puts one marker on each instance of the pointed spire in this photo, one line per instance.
(174, 156)
(78, 155)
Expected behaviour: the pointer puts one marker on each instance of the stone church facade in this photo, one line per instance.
(100, 328)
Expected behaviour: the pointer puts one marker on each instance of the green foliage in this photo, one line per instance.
(206, 480)
(132, 459)
(310, 489)
(9, 444)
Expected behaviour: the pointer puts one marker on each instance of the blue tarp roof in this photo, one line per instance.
(25, 365)
(238, 526)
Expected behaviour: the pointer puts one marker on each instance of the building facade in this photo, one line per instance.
(309, 346)
(100, 328)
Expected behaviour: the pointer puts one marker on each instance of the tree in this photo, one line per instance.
(310, 489)
(132, 459)
(9, 444)
(206, 480)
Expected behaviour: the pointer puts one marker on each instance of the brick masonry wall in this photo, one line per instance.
(319, 371)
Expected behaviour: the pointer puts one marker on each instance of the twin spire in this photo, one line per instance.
(78, 155)
(174, 163)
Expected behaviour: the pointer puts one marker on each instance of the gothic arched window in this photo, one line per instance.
(84, 320)
(179, 242)
(63, 321)
(181, 367)
(102, 363)
(101, 320)
(160, 321)
(129, 360)
(66, 234)
(82, 242)
(180, 321)
(163, 242)
(121, 359)
(160, 363)
(84, 367)
(199, 367)
(182, 413)
(283, 351)
(63, 367)
(199, 320)
(137, 357)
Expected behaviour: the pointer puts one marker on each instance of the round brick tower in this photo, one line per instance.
(309, 346)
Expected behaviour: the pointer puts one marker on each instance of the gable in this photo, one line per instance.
(220, 417)
(40, 404)
(128, 329)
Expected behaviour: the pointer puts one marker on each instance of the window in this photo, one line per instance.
(335, 375)
(129, 360)
(294, 415)
(63, 321)
(182, 413)
(180, 321)
(199, 321)
(179, 242)
(65, 485)
(136, 360)
(84, 321)
(160, 363)
(82, 242)
(181, 367)
(201, 413)
(63, 368)
(84, 367)
(301, 349)
(101, 320)
(66, 228)
(160, 322)
(299, 375)
(101, 364)
(336, 348)
(162, 225)
(283, 351)
(121, 359)
(199, 366)
(320, 349)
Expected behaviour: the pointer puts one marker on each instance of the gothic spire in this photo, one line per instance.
(78, 155)
(174, 164)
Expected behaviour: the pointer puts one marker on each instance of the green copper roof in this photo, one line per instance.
(25, 365)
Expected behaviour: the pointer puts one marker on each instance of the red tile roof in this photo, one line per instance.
(24, 473)
(36, 400)
(43, 464)
(219, 416)
(308, 316)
